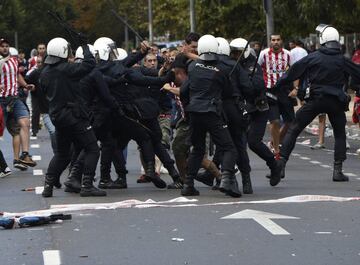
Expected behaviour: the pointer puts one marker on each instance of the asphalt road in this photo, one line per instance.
(194, 232)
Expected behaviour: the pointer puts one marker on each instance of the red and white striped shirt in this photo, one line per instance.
(274, 65)
(9, 77)
(32, 62)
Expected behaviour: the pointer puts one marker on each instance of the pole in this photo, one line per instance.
(192, 16)
(16, 40)
(151, 37)
(269, 11)
(126, 36)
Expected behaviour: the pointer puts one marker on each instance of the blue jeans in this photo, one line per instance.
(18, 109)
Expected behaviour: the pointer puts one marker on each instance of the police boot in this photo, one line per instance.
(277, 171)
(107, 183)
(73, 183)
(87, 188)
(121, 181)
(246, 182)
(177, 184)
(48, 186)
(228, 184)
(338, 175)
(150, 175)
(206, 178)
(189, 189)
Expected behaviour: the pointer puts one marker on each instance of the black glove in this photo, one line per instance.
(86, 51)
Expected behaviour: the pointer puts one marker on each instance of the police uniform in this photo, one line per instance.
(327, 70)
(59, 82)
(203, 90)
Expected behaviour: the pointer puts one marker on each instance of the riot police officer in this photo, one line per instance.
(256, 108)
(207, 79)
(59, 82)
(326, 70)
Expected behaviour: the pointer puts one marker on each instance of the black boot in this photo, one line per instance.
(174, 174)
(277, 171)
(87, 188)
(73, 183)
(189, 189)
(48, 186)
(121, 181)
(150, 175)
(246, 182)
(108, 183)
(229, 185)
(338, 175)
(206, 178)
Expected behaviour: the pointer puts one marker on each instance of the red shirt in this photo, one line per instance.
(9, 77)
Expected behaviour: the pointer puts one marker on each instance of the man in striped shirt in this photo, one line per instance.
(10, 79)
(274, 62)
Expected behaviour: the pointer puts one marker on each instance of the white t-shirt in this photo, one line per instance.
(296, 54)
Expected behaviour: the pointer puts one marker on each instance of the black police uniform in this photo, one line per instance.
(98, 101)
(60, 83)
(203, 90)
(145, 99)
(258, 116)
(122, 85)
(326, 70)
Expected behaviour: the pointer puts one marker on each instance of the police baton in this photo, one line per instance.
(127, 24)
(77, 37)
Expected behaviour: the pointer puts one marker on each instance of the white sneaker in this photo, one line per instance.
(317, 146)
(5, 172)
(358, 151)
(347, 145)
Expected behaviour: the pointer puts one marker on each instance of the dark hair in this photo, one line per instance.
(154, 45)
(21, 51)
(275, 34)
(299, 43)
(41, 43)
(192, 36)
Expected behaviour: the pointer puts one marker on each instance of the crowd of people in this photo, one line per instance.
(205, 102)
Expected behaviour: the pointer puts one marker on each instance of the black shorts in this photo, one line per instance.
(283, 107)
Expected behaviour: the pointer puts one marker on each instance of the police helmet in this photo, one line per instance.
(207, 48)
(224, 47)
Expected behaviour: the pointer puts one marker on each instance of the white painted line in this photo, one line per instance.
(358, 178)
(295, 154)
(51, 257)
(325, 166)
(36, 158)
(38, 172)
(35, 146)
(33, 138)
(323, 233)
(315, 162)
(304, 158)
(35, 229)
(263, 219)
(350, 174)
(39, 190)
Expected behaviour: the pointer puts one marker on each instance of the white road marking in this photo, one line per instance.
(315, 162)
(323, 233)
(36, 158)
(39, 190)
(51, 257)
(35, 146)
(325, 166)
(350, 174)
(295, 154)
(263, 219)
(38, 172)
(304, 158)
(33, 138)
(358, 178)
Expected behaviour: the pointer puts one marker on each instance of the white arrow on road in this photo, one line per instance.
(263, 219)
